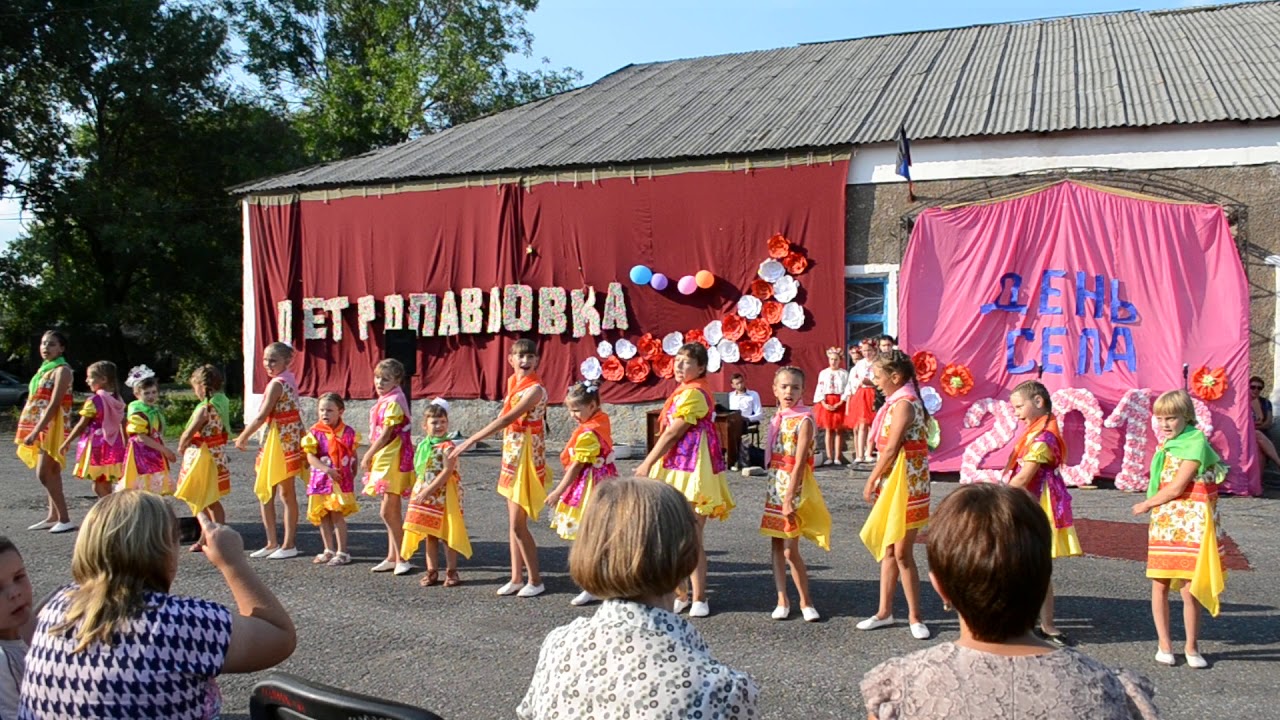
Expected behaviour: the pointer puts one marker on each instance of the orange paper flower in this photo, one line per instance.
(733, 326)
(759, 330)
(649, 347)
(956, 380)
(637, 369)
(762, 289)
(795, 263)
(750, 351)
(779, 247)
(611, 369)
(926, 365)
(664, 366)
(696, 336)
(1209, 385)
(772, 312)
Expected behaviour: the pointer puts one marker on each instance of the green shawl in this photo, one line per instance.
(155, 418)
(422, 455)
(219, 403)
(45, 367)
(1190, 444)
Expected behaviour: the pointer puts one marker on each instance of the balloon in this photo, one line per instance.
(641, 275)
(705, 279)
(658, 282)
(687, 285)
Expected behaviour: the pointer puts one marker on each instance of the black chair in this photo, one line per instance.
(285, 697)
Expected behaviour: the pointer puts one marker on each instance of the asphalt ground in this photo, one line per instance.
(466, 654)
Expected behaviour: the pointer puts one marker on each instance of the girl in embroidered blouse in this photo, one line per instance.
(203, 479)
(43, 426)
(793, 506)
(588, 461)
(522, 478)
(330, 447)
(102, 450)
(281, 459)
(688, 457)
(898, 487)
(435, 508)
(828, 403)
(1033, 466)
(388, 463)
(146, 467)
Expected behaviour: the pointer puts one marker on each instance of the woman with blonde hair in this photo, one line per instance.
(135, 650)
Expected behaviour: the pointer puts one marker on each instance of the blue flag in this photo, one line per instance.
(903, 168)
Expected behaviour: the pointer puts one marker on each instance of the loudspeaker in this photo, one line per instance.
(402, 345)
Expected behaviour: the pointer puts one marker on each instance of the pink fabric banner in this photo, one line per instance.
(1106, 292)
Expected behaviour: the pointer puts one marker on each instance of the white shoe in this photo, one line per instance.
(62, 527)
(1166, 658)
(680, 606)
(781, 612)
(262, 552)
(920, 631)
(283, 554)
(403, 568)
(583, 598)
(1197, 661)
(529, 591)
(42, 525)
(510, 588)
(874, 623)
(384, 566)
(810, 614)
(699, 608)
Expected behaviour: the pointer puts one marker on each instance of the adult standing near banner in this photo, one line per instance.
(43, 427)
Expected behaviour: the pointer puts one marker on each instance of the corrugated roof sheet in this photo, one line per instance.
(1129, 69)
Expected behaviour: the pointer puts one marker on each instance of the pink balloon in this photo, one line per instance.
(687, 285)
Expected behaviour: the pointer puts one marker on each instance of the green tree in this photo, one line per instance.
(361, 74)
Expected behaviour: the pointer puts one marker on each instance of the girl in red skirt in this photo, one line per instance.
(861, 396)
(828, 403)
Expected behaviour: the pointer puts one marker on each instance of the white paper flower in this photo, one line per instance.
(785, 288)
(591, 368)
(624, 348)
(604, 349)
(728, 351)
(932, 399)
(793, 315)
(771, 270)
(749, 307)
(713, 359)
(713, 332)
(773, 350)
(672, 342)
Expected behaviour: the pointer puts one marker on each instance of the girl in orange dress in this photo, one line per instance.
(43, 425)
(330, 446)
(435, 508)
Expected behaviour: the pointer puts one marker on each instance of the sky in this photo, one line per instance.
(598, 37)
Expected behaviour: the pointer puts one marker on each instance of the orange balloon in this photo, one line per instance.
(705, 279)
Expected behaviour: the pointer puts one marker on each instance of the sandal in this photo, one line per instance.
(339, 559)
(451, 579)
(431, 578)
(323, 558)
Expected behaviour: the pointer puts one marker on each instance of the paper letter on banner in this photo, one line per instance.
(615, 308)
(517, 308)
(313, 322)
(422, 313)
(582, 307)
(472, 315)
(393, 311)
(551, 310)
(448, 315)
(335, 306)
(284, 322)
(495, 311)
(366, 310)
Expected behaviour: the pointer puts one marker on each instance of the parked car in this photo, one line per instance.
(12, 390)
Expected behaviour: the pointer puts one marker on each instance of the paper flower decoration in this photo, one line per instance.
(759, 330)
(1209, 385)
(728, 350)
(749, 306)
(713, 332)
(956, 380)
(761, 289)
(591, 369)
(785, 289)
(750, 351)
(926, 365)
(612, 369)
(779, 246)
(773, 350)
(713, 360)
(672, 341)
(695, 336)
(792, 315)
(604, 349)
(931, 399)
(771, 270)
(664, 366)
(649, 346)
(795, 263)
(624, 349)
(772, 312)
(637, 369)
(732, 327)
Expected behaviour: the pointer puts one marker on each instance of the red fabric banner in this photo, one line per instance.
(564, 235)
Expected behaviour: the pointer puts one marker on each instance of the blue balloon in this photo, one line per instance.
(641, 275)
(658, 282)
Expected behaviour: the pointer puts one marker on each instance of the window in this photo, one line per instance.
(864, 308)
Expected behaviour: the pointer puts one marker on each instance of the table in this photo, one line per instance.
(730, 426)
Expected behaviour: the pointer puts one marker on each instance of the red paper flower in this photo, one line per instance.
(772, 312)
(762, 289)
(649, 347)
(750, 351)
(956, 380)
(732, 327)
(637, 369)
(611, 369)
(695, 336)
(926, 365)
(795, 263)
(1209, 385)
(759, 330)
(664, 366)
(779, 247)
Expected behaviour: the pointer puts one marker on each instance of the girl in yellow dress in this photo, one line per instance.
(522, 478)
(388, 463)
(435, 508)
(146, 467)
(899, 488)
(330, 447)
(793, 506)
(102, 449)
(588, 461)
(204, 478)
(280, 459)
(43, 425)
(1182, 544)
(687, 456)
